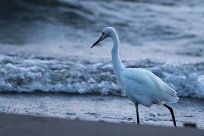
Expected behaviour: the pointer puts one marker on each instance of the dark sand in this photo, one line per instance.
(24, 125)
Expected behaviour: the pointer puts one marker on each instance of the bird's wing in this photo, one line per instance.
(163, 86)
(150, 84)
(167, 94)
(136, 74)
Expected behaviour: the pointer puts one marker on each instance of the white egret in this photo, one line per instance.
(141, 85)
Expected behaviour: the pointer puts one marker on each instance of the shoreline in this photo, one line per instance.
(113, 109)
(80, 94)
(13, 124)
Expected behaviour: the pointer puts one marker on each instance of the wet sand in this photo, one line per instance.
(23, 125)
(101, 108)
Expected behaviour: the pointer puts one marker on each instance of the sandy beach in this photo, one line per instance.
(13, 124)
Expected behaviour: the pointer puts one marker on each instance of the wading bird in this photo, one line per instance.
(141, 85)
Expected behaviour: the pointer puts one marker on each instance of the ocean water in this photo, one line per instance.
(139, 23)
(45, 47)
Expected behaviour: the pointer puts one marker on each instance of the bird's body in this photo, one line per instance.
(141, 85)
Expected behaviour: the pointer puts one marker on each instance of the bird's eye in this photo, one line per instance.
(103, 33)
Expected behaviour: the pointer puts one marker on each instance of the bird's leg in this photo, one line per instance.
(137, 113)
(172, 113)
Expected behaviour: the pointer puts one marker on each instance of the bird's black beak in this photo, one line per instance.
(100, 39)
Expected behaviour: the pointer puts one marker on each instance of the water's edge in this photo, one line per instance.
(101, 108)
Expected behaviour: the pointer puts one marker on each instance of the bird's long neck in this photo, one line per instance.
(117, 63)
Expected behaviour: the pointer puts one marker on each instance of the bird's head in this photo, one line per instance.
(107, 32)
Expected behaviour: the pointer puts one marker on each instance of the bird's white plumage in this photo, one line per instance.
(140, 85)
(143, 87)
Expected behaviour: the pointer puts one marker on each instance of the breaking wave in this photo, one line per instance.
(45, 74)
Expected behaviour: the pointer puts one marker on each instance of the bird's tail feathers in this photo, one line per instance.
(173, 94)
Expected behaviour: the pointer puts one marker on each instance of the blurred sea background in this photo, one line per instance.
(45, 47)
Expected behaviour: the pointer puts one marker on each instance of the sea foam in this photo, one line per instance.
(31, 74)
